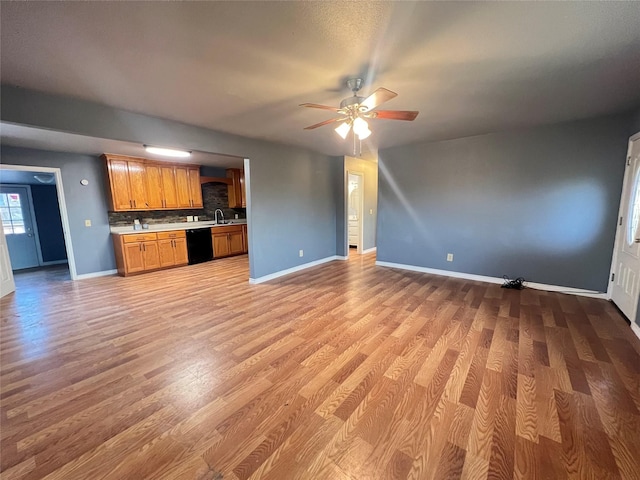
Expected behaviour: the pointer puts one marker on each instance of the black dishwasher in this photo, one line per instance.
(199, 245)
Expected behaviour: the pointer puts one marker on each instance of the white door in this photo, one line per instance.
(18, 227)
(626, 267)
(354, 224)
(6, 275)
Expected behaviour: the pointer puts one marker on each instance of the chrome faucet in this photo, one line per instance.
(215, 215)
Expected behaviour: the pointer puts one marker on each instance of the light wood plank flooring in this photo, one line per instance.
(343, 371)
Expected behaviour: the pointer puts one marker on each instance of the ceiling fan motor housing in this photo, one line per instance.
(355, 100)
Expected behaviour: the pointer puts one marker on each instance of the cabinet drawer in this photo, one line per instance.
(226, 229)
(139, 237)
(171, 234)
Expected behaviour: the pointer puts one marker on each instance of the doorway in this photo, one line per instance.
(20, 229)
(355, 207)
(625, 268)
(6, 171)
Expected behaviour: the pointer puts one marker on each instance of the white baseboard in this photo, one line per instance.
(54, 262)
(342, 257)
(104, 273)
(369, 250)
(635, 329)
(482, 278)
(288, 271)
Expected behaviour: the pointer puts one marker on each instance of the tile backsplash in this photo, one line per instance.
(214, 195)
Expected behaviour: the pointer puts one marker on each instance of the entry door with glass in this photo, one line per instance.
(18, 227)
(626, 267)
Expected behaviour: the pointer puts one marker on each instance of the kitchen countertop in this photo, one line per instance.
(164, 227)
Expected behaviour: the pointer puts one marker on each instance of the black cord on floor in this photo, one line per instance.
(517, 284)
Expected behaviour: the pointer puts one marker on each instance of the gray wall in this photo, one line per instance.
(47, 210)
(294, 207)
(540, 203)
(92, 246)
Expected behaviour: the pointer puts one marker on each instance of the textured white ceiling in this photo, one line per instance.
(243, 67)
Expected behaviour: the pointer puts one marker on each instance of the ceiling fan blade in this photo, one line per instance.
(321, 124)
(408, 115)
(378, 97)
(315, 105)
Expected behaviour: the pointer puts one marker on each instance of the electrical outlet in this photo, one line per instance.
(195, 218)
(189, 218)
(449, 257)
(301, 253)
(87, 223)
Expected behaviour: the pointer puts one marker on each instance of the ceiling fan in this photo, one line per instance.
(355, 110)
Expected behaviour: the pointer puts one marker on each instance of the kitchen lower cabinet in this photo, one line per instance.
(245, 238)
(143, 252)
(172, 248)
(136, 253)
(227, 241)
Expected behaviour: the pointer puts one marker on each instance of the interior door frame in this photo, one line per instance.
(32, 212)
(66, 230)
(360, 247)
(620, 231)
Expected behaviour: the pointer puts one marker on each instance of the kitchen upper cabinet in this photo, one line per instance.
(155, 190)
(195, 188)
(140, 184)
(137, 183)
(182, 187)
(173, 248)
(236, 190)
(228, 240)
(118, 175)
(169, 189)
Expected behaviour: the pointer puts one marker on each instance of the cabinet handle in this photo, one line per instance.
(134, 204)
(191, 202)
(144, 247)
(140, 246)
(130, 204)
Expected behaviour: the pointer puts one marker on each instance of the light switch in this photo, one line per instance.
(87, 223)
(371, 211)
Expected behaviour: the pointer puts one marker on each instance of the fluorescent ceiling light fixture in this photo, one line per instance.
(343, 129)
(167, 152)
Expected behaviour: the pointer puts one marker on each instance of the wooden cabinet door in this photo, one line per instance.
(182, 187)
(220, 245)
(234, 189)
(195, 189)
(180, 251)
(245, 239)
(243, 191)
(137, 185)
(133, 258)
(169, 187)
(155, 195)
(236, 242)
(119, 183)
(150, 255)
(166, 253)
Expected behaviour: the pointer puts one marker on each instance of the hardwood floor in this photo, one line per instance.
(343, 371)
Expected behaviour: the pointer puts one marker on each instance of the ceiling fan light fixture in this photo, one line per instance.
(167, 152)
(361, 127)
(343, 129)
(364, 134)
